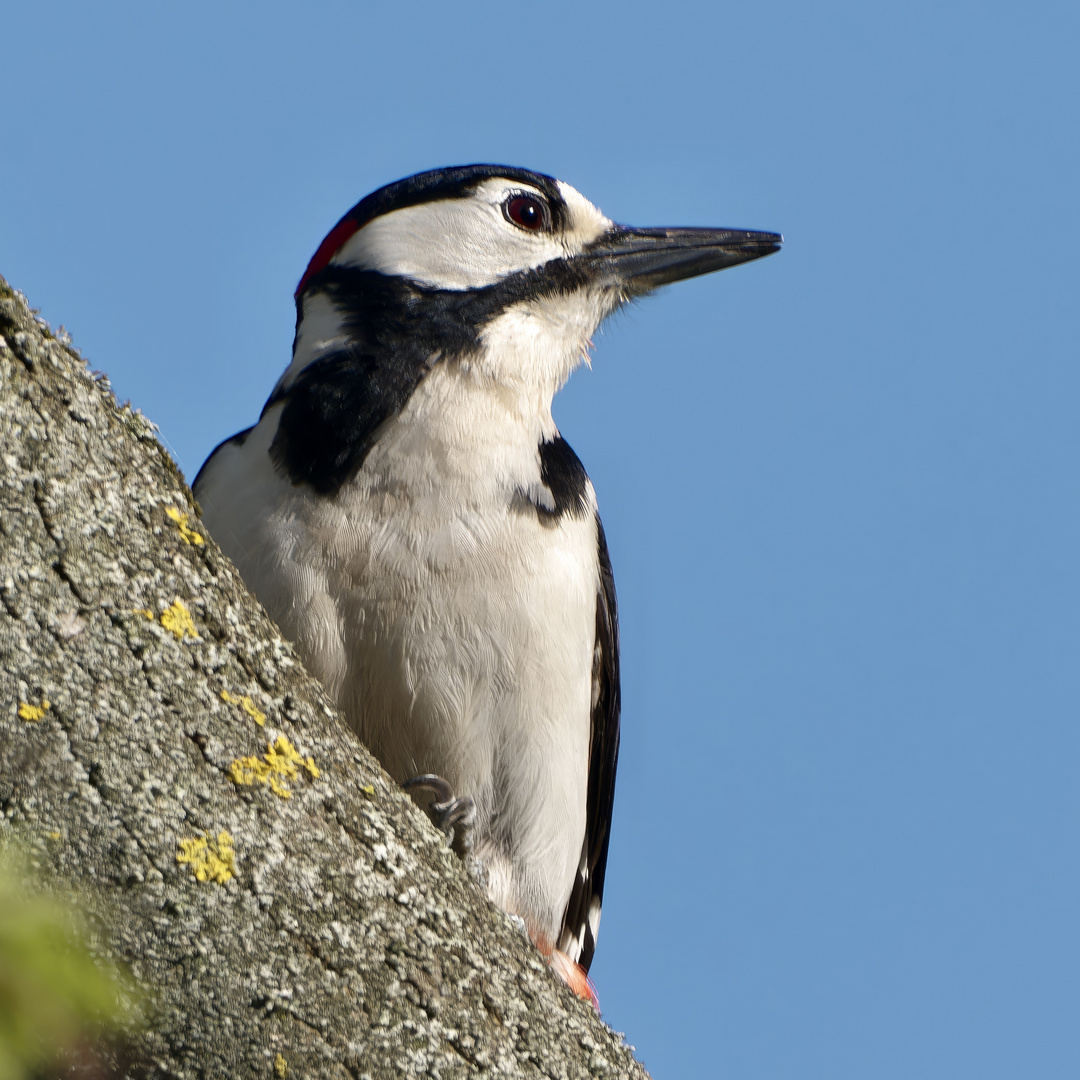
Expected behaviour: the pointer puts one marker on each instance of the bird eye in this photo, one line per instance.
(525, 211)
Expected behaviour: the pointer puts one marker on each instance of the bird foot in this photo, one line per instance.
(453, 815)
(574, 976)
(571, 972)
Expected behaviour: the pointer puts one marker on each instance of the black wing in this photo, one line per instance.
(581, 920)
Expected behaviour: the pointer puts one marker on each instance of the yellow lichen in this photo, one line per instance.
(187, 534)
(248, 771)
(281, 1066)
(210, 860)
(145, 612)
(177, 620)
(247, 705)
(275, 768)
(54, 836)
(33, 713)
(368, 790)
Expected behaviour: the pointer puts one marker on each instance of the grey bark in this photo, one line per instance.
(349, 941)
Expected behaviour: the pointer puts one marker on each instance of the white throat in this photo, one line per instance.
(532, 348)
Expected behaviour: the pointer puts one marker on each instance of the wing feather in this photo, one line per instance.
(581, 920)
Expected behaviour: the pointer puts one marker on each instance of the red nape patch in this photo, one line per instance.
(327, 250)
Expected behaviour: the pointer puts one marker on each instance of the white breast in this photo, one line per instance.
(454, 629)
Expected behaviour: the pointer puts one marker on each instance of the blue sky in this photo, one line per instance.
(839, 485)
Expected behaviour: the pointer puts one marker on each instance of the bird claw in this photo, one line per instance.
(454, 816)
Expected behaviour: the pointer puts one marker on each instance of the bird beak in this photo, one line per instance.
(639, 260)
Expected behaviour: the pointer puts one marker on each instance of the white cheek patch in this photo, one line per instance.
(449, 244)
(466, 243)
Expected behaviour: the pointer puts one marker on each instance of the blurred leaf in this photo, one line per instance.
(54, 994)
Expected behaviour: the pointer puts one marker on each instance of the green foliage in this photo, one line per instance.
(53, 993)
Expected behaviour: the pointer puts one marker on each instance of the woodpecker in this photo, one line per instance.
(409, 514)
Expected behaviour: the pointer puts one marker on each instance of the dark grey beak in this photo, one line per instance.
(644, 259)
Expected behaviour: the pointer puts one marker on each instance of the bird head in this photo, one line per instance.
(508, 269)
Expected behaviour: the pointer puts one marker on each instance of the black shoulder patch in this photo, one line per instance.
(333, 410)
(562, 473)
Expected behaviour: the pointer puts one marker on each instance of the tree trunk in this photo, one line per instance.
(166, 756)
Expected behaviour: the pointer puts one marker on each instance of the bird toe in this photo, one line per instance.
(453, 815)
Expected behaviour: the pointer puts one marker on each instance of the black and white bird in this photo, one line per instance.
(408, 512)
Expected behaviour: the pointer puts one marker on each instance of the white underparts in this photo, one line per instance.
(454, 627)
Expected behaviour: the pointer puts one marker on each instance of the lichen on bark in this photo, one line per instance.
(335, 935)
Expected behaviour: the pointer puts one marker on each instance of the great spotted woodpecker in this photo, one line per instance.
(408, 512)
